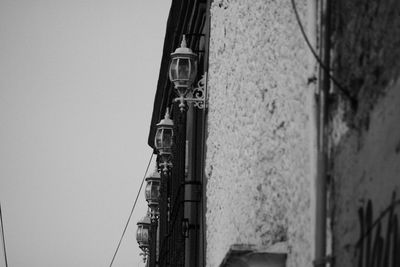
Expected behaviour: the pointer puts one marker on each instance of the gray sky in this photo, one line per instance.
(77, 84)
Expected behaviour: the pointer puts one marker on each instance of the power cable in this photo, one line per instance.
(130, 215)
(2, 234)
(327, 69)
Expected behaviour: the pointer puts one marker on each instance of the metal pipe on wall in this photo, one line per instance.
(322, 167)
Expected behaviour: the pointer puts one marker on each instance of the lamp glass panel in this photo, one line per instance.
(142, 235)
(145, 236)
(173, 74)
(183, 69)
(139, 234)
(155, 191)
(147, 191)
(158, 138)
(167, 138)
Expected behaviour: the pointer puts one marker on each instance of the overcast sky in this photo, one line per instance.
(77, 85)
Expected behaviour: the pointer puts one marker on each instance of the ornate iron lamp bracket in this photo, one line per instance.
(197, 96)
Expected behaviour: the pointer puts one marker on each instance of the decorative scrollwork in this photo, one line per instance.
(199, 93)
(199, 105)
(197, 96)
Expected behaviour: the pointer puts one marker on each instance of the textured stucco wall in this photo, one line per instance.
(258, 161)
(365, 137)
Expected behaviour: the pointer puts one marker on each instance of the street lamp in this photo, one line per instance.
(183, 72)
(142, 235)
(152, 193)
(163, 141)
(183, 67)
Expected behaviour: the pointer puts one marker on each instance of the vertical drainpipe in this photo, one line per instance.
(203, 178)
(321, 183)
(312, 105)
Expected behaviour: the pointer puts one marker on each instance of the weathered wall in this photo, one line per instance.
(365, 135)
(258, 147)
(366, 167)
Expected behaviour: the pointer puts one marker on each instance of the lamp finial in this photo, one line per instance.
(183, 44)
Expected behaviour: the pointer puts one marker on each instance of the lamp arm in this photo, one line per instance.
(198, 96)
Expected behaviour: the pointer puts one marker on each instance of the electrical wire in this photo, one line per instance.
(130, 215)
(327, 69)
(2, 234)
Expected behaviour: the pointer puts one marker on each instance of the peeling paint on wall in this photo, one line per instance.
(366, 167)
(365, 159)
(367, 35)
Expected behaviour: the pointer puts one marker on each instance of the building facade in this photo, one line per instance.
(294, 159)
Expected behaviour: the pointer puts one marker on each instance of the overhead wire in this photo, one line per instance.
(3, 238)
(133, 208)
(341, 88)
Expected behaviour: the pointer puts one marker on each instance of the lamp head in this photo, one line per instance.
(183, 68)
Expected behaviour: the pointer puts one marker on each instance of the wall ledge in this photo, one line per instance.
(248, 255)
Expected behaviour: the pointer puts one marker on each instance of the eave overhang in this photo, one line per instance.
(179, 22)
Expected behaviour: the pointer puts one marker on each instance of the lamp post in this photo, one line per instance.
(183, 72)
(163, 141)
